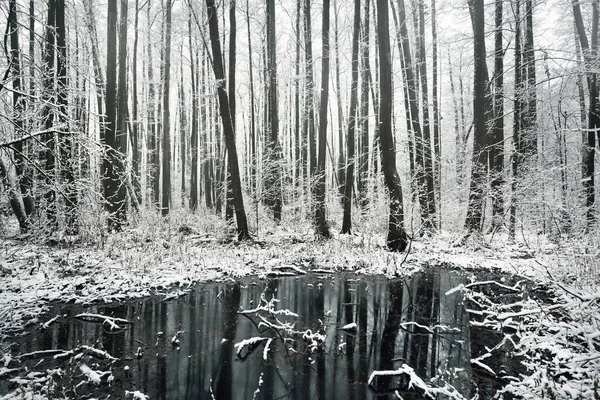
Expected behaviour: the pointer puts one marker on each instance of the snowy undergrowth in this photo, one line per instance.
(165, 256)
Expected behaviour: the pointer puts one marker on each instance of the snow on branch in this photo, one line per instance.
(418, 384)
(112, 322)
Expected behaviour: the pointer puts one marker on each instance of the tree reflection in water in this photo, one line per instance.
(398, 321)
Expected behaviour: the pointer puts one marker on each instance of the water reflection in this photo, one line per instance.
(407, 321)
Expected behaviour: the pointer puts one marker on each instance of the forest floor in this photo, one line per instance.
(563, 350)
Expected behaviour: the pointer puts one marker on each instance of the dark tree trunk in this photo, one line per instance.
(135, 132)
(321, 225)
(529, 103)
(25, 182)
(113, 195)
(273, 179)
(242, 225)
(48, 117)
(474, 217)
(396, 237)
(231, 86)
(363, 155)
(428, 212)
(437, 147)
(350, 161)
(166, 118)
(497, 145)
(589, 138)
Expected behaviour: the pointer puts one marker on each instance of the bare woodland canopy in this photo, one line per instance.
(454, 115)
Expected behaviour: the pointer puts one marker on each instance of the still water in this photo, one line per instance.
(185, 348)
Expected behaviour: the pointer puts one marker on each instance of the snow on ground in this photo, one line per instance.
(138, 263)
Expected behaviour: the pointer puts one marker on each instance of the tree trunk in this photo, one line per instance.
(24, 181)
(309, 105)
(242, 225)
(437, 147)
(66, 138)
(458, 137)
(363, 155)
(474, 217)
(48, 117)
(497, 146)
(231, 86)
(589, 139)
(273, 178)
(341, 170)
(396, 237)
(529, 103)
(428, 208)
(183, 128)
(194, 133)
(113, 195)
(321, 225)
(153, 169)
(166, 119)
(347, 199)
(253, 157)
(517, 123)
(135, 132)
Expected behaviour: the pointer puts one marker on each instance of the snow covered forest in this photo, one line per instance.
(236, 198)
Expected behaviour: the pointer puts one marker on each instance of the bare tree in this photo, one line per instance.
(242, 224)
(350, 152)
(322, 227)
(396, 237)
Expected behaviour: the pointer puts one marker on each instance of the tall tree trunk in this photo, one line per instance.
(322, 227)
(350, 161)
(589, 140)
(309, 100)
(253, 155)
(194, 133)
(497, 145)
(517, 123)
(341, 171)
(24, 181)
(183, 128)
(437, 147)
(428, 208)
(153, 169)
(474, 217)
(529, 104)
(231, 86)
(166, 119)
(363, 155)
(66, 138)
(396, 237)
(135, 133)
(115, 201)
(49, 96)
(273, 181)
(242, 225)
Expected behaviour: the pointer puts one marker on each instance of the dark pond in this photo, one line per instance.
(189, 343)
